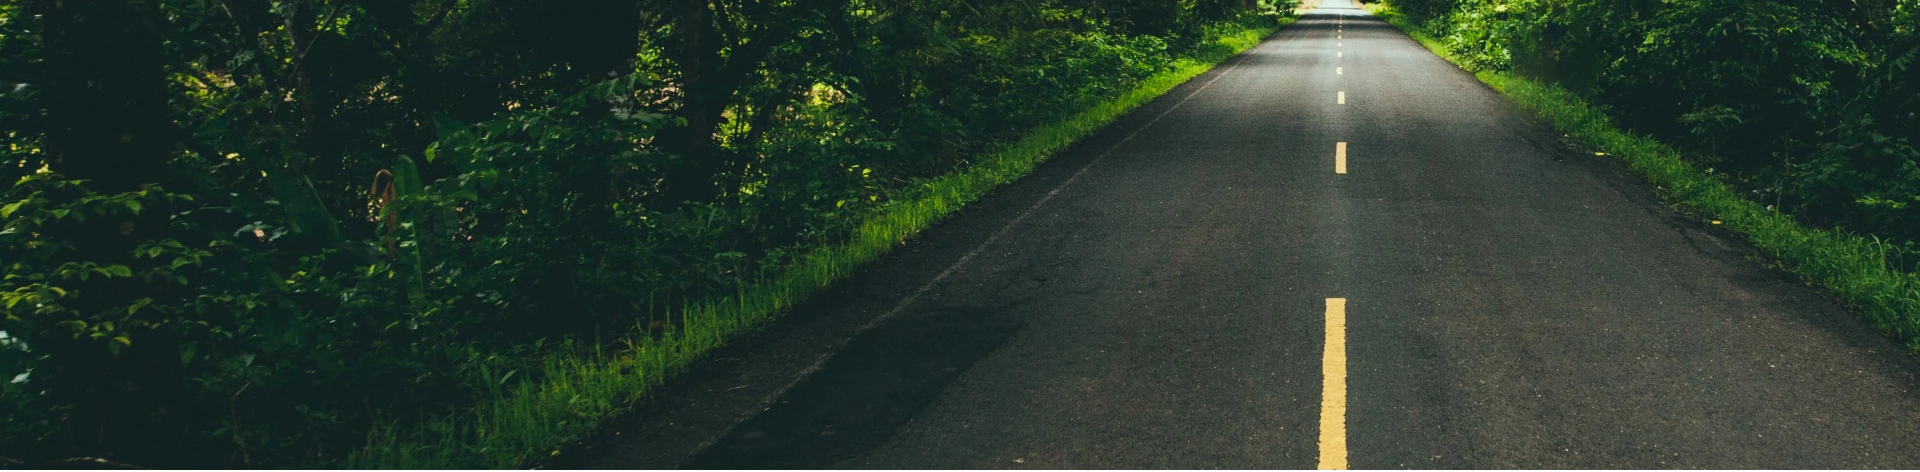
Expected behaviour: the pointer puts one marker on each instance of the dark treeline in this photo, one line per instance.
(1808, 105)
(241, 233)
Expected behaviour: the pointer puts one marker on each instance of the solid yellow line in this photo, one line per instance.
(1333, 390)
(1340, 158)
(1342, 98)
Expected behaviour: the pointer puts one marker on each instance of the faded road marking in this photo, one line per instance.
(1342, 98)
(1333, 390)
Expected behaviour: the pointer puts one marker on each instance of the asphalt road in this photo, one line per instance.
(1157, 298)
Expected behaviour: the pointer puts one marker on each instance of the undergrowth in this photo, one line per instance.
(423, 233)
(585, 386)
(1861, 269)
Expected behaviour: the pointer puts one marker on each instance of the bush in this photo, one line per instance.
(372, 213)
(1803, 104)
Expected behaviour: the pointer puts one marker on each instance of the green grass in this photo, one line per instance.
(1855, 268)
(582, 388)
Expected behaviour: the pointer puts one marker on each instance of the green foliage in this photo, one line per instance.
(435, 233)
(1807, 105)
(44, 274)
(523, 424)
(1871, 272)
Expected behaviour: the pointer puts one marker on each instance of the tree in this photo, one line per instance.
(106, 110)
(716, 48)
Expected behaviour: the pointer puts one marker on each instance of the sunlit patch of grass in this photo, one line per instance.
(521, 423)
(1856, 268)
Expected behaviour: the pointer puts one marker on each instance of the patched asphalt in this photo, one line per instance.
(1153, 298)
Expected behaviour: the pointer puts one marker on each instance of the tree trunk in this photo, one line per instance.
(690, 178)
(594, 38)
(106, 110)
(105, 94)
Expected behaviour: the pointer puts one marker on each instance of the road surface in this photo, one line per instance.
(1201, 286)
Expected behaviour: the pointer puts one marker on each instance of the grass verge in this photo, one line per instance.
(583, 387)
(1853, 267)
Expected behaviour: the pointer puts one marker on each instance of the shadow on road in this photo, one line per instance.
(874, 385)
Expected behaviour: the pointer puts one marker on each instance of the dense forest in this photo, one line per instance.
(251, 233)
(1807, 106)
(262, 233)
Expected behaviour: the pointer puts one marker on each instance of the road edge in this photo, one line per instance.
(1853, 268)
(587, 389)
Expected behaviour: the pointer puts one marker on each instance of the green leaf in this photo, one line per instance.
(187, 351)
(406, 177)
(8, 210)
(444, 126)
(13, 362)
(119, 271)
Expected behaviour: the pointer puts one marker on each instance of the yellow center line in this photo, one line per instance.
(1339, 71)
(1340, 54)
(1340, 158)
(1342, 98)
(1333, 390)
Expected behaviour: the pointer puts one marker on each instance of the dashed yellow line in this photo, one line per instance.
(1340, 158)
(1339, 71)
(1341, 98)
(1333, 390)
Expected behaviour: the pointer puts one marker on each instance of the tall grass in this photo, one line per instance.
(1856, 268)
(583, 385)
